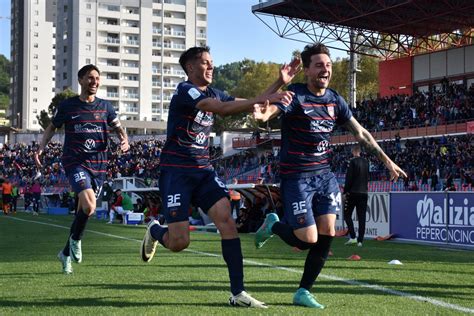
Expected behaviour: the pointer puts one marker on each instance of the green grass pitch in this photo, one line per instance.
(112, 280)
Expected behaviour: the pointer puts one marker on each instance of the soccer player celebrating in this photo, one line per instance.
(85, 119)
(186, 173)
(309, 190)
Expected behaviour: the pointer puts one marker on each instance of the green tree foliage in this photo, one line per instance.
(4, 82)
(44, 118)
(247, 79)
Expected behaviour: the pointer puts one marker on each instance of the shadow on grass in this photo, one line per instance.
(98, 302)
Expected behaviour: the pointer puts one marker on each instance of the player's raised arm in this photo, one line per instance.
(242, 105)
(47, 135)
(286, 75)
(368, 141)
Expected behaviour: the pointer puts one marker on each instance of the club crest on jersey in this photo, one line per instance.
(90, 144)
(194, 93)
(331, 111)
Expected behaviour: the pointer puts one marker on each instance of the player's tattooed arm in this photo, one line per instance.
(118, 129)
(370, 144)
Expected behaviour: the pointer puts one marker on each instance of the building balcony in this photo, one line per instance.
(130, 95)
(110, 40)
(112, 94)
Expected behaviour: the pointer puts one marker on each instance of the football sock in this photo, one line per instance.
(287, 235)
(232, 254)
(66, 247)
(79, 225)
(315, 260)
(157, 232)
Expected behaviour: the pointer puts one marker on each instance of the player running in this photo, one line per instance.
(187, 175)
(85, 119)
(309, 189)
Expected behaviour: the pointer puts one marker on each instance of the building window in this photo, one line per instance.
(88, 47)
(35, 122)
(36, 12)
(35, 88)
(35, 100)
(35, 45)
(35, 111)
(35, 78)
(35, 34)
(89, 6)
(88, 61)
(64, 75)
(88, 34)
(88, 20)
(36, 23)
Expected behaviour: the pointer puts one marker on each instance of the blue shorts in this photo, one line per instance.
(304, 199)
(81, 179)
(178, 190)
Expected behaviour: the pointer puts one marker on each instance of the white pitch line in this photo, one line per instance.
(325, 276)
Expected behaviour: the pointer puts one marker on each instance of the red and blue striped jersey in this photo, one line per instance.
(188, 129)
(85, 128)
(306, 127)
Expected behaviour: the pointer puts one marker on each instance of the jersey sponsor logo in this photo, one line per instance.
(89, 144)
(201, 138)
(204, 118)
(194, 93)
(88, 128)
(308, 111)
(324, 126)
(75, 117)
(322, 146)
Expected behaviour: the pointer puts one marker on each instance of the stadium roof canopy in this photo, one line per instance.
(386, 28)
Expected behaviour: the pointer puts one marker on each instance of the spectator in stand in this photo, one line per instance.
(6, 196)
(234, 200)
(36, 196)
(122, 206)
(15, 195)
(356, 195)
(434, 180)
(449, 186)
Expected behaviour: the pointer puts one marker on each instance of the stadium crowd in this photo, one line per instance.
(423, 159)
(420, 109)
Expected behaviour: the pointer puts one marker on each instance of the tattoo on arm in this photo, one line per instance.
(365, 138)
(120, 132)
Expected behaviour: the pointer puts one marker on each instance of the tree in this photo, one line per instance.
(44, 118)
(4, 82)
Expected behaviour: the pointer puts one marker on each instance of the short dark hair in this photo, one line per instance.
(191, 54)
(85, 70)
(314, 49)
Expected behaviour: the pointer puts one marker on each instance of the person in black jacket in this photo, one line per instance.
(355, 193)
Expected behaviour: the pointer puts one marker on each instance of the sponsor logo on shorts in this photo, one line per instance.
(80, 176)
(174, 200)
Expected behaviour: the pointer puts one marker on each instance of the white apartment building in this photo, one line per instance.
(136, 44)
(33, 64)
